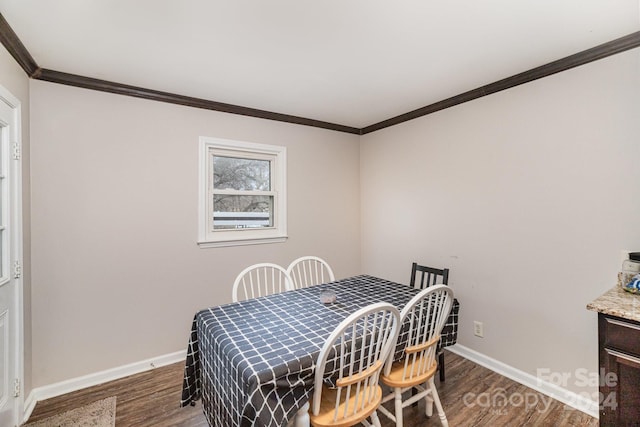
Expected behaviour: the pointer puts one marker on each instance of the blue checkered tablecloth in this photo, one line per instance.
(252, 362)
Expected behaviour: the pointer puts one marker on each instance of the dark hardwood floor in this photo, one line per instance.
(471, 396)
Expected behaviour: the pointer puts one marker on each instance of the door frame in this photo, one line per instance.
(14, 174)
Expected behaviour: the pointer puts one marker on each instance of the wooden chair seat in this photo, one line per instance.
(396, 377)
(325, 417)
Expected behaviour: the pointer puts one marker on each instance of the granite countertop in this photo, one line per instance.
(617, 302)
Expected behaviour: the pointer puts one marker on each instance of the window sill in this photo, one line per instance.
(241, 242)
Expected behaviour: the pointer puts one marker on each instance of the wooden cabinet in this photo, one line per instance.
(619, 341)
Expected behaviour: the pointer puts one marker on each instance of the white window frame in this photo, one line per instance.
(210, 238)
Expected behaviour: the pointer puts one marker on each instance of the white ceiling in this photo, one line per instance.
(350, 62)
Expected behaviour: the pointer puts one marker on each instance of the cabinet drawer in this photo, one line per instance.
(622, 335)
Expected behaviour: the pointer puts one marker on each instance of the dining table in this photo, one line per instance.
(252, 362)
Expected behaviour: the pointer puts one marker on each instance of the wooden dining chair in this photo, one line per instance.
(429, 276)
(310, 270)
(260, 280)
(422, 321)
(353, 357)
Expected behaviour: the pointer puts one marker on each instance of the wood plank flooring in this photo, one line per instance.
(151, 399)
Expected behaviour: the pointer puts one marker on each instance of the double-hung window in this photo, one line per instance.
(242, 193)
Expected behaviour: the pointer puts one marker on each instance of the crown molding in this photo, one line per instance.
(19, 52)
(14, 46)
(604, 50)
(155, 95)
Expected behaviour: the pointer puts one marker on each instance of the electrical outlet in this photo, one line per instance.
(478, 329)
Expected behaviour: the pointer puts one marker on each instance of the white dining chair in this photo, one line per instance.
(353, 357)
(310, 270)
(422, 277)
(422, 319)
(260, 280)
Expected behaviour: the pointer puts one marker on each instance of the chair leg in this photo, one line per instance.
(398, 403)
(436, 399)
(302, 417)
(441, 366)
(428, 401)
(375, 420)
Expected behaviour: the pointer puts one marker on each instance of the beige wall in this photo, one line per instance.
(117, 274)
(528, 196)
(14, 79)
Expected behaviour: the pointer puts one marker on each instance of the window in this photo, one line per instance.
(242, 193)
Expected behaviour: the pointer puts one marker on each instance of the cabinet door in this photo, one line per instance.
(620, 373)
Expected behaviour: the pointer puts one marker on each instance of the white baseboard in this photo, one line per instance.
(29, 406)
(74, 384)
(563, 395)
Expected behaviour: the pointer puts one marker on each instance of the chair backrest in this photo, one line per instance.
(357, 363)
(422, 321)
(310, 270)
(428, 276)
(259, 280)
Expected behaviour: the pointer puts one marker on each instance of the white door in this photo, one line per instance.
(11, 346)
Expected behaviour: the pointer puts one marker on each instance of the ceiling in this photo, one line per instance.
(349, 62)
